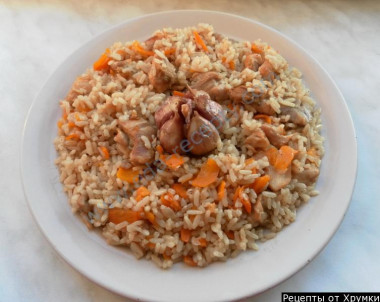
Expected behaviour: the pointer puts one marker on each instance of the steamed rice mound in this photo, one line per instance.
(192, 208)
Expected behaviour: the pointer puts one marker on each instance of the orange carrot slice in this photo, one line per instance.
(185, 235)
(180, 190)
(264, 117)
(178, 93)
(271, 154)
(189, 261)
(128, 175)
(207, 175)
(221, 190)
(136, 46)
(169, 201)
(142, 192)
(104, 152)
(116, 215)
(260, 184)
(284, 158)
(102, 62)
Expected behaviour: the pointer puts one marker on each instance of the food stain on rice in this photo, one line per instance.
(244, 137)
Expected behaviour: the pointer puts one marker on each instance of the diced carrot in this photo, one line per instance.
(128, 175)
(142, 192)
(174, 161)
(72, 136)
(189, 261)
(264, 117)
(199, 41)
(260, 184)
(102, 62)
(185, 235)
(245, 202)
(207, 175)
(230, 235)
(64, 115)
(202, 242)
(256, 49)
(150, 217)
(231, 65)
(178, 93)
(271, 154)
(180, 190)
(284, 158)
(117, 215)
(221, 190)
(136, 46)
(169, 201)
(71, 125)
(104, 152)
(169, 51)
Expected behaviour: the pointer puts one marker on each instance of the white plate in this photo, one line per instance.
(249, 273)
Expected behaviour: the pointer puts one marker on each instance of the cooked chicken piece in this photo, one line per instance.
(171, 134)
(121, 138)
(274, 135)
(162, 74)
(81, 86)
(257, 140)
(296, 115)
(253, 99)
(253, 61)
(258, 210)
(202, 135)
(135, 129)
(207, 108)
(308, 175)
(278, 180)
(208, 82)
(266, 70)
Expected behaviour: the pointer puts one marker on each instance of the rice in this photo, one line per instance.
(198, 225)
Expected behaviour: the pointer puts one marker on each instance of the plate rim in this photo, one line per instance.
(354, 154)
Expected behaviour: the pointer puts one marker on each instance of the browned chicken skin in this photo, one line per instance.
(161, 76)
(208, 82)
(257, 140)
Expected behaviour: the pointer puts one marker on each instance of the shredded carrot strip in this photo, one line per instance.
(211, 207)
(272, 155)
(312, 152)
(104, 152)
(180, 190)
(284, 158)
(59, 124)
(128, 175)
(207, 175)
(185, 235)
(202, 242)
(264, 117)
(169, 51)
(260, 184)
(178, 93)
(116, 215)
(245, 202)
(256, 49)
(221, 190)
(72, 136)
(189, 261)
(143, 52)
(71, 125)
(166, 256)
(150, 217)
(169, 201)
(199, 41)
(102, 62)
(141, 193)
(64, 115)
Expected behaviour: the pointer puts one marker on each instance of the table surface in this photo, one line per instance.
(37, 35)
